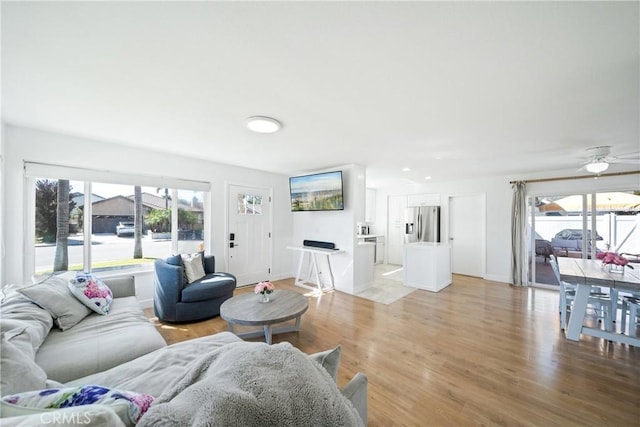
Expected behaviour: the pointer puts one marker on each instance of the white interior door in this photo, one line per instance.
(249, 239)
(467, 235)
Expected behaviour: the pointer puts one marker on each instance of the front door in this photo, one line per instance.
(249, 238)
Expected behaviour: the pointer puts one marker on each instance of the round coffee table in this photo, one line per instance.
(247, 310)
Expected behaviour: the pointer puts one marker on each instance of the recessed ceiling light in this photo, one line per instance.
(406, 169)
(427, 177)
(263, 124)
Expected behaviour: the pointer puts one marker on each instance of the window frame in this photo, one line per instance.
(34, 171)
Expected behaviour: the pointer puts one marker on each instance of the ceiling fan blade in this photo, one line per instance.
(627, 156)
(626, 161)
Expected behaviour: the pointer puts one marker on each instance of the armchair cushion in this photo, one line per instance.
(213, 285)
(193, 267)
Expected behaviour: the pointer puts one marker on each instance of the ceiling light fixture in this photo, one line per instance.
(406, 169)
(597, 166)
(427, 177)
(263, 124)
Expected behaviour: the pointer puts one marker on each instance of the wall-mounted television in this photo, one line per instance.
(317, 192)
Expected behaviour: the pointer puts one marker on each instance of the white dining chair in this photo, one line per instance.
(630, 307)
(599, 302)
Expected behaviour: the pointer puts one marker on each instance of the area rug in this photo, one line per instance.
(388, 287)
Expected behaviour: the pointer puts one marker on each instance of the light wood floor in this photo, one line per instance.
(476, 353)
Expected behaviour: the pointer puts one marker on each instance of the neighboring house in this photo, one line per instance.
(107, 213)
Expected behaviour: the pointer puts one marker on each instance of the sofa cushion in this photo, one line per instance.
(99, 342)
(92, 292)
(33, 321)
(54, 295)
(211, 286)
(129, 406)
(19, 371)
(329, 360)
(193, 266)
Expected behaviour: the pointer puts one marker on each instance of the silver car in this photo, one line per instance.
(125, 229)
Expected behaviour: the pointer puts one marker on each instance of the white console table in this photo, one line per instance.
(313, 266)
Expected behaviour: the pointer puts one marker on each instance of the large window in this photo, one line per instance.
(98, 226)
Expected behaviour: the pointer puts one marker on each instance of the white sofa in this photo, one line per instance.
(121, 350)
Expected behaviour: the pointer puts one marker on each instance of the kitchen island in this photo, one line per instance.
(427, 265)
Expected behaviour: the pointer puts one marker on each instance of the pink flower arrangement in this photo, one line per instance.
(613, 258)
(264, 288)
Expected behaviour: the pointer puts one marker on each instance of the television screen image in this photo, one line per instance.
(317, 192)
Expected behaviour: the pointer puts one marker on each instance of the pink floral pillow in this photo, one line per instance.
(92, 292)
(130, 406)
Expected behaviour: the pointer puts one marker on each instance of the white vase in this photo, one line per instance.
(615, 268)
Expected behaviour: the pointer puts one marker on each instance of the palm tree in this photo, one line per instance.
(137, 218)
(61, 259)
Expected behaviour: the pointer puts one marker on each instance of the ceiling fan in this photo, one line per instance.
(599, 158)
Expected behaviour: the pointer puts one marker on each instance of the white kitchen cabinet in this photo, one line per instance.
(370, 205)
(423, 199)
(427, 265)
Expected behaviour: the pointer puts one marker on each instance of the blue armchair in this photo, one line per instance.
(175, 300)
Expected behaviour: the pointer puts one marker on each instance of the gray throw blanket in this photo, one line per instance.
(253, 384)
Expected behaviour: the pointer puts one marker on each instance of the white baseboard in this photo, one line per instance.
(498, 278)
(146, 303)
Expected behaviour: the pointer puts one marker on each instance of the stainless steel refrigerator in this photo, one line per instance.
(422, 224)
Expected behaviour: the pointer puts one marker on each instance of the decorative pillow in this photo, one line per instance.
(19, 371)
(174, 260)
(54, 296)
(193, 266)
(329, 359)
(129, 406)
(92, 292)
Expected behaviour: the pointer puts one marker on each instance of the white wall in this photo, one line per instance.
(38, 146)
(498, 198)
(338, 227)
(2, 204)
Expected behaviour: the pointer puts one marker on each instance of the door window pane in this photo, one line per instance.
(249, 204)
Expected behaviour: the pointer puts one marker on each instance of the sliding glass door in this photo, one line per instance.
(581, 226)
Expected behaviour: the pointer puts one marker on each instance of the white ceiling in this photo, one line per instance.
(448, 89)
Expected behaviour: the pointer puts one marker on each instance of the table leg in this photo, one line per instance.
(267, 334)
(297, 326)
(331, 279)
(576, 319)
(315, 266)
(230, 326)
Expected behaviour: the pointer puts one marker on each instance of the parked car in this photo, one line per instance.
(575, 234)
(125, 229)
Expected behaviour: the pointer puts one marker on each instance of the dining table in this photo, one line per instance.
(585, 273)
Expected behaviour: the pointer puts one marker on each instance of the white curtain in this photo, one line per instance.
(518, 234)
